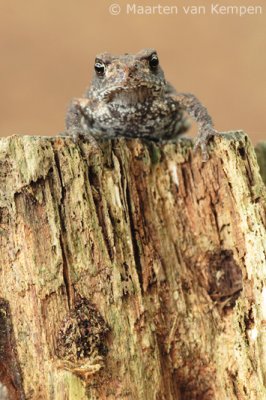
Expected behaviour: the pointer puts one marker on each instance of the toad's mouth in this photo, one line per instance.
(131, 94)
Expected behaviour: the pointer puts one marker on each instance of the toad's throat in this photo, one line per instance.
(131, 95)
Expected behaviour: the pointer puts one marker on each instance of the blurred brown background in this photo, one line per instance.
(47, 51)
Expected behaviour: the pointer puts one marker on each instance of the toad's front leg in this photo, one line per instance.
(199, 113)
(79, 121)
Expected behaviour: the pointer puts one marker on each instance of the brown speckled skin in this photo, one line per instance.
(131, 98)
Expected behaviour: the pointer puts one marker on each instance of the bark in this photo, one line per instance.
(136, 273)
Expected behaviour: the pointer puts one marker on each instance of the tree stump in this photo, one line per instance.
(134, 273)
(261, 157)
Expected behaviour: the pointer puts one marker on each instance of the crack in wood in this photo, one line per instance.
(134, 240)
(98, 203)
(10, 374)
(65, 264)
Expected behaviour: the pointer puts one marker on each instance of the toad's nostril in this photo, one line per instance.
(132, 70)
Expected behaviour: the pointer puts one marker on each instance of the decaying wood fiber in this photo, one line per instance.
(261, 157)
(134, 273)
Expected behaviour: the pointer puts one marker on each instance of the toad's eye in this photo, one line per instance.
(153, 61)
(99, 67)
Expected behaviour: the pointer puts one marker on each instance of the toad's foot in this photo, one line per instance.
(77, 135)
(205, 134)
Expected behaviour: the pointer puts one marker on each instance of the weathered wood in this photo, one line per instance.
(261, 156)
(135, 273)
